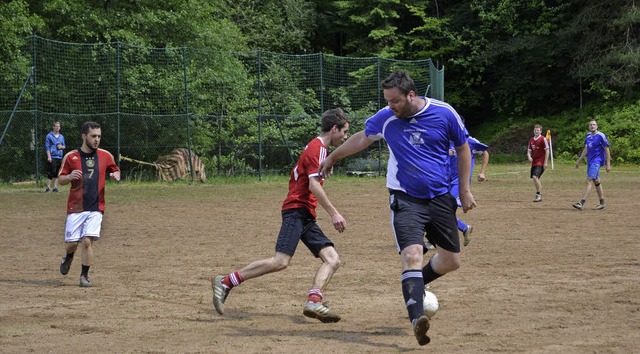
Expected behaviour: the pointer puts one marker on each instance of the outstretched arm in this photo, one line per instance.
(357, 142)
(339, 223)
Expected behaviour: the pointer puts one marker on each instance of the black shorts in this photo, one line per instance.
(54, 168)
(412, 218)
(537, 171)
(299, 225)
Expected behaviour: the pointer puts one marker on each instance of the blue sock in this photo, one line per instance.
(462, 226)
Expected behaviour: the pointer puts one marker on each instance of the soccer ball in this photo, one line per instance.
(430, 304)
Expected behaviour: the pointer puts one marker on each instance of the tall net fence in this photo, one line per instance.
(242, 113)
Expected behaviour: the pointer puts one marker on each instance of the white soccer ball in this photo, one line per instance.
(430, 304)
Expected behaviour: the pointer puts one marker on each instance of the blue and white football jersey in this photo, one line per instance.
(595, 144)
(418, 147)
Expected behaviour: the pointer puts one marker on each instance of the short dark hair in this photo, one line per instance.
(401, 80)
(333, 117)
(86, 126)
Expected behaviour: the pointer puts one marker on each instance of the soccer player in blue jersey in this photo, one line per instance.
(596, 149)
(418, 131)
(55, 145)
(477, 148)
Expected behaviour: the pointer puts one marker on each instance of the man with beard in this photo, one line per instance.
(86, 168)
(418, 131)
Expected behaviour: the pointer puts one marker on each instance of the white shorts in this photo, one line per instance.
(79, 225)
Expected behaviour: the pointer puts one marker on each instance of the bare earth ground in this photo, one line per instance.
(537, 277)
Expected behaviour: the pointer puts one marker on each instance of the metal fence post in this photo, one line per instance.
(321, 83)
(118, 100)
(186, 106)
(259, 115)
(35, 106)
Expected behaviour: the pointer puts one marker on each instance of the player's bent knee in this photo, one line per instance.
(412, 257)
(330, 256)
(335, 263)
(281, 262)
(278, 265)
(451, 263)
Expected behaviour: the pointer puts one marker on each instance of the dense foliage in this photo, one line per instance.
(619, 121)
(508, 62)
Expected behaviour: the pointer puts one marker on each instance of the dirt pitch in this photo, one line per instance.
(537, 277)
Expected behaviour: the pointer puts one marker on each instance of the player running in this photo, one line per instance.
(299, 224)
(86, 169)
(477, 148)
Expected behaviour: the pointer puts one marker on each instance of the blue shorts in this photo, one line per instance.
(412, 218)
(455, 192)
(593, 171)
(299, 225)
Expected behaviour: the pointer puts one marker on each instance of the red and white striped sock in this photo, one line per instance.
(232, 280)
(315, 295)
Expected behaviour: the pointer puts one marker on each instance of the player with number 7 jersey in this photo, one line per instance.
(87, 193)
(86, 168)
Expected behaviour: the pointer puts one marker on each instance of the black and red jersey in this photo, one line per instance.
(537, 147)
(87, 194)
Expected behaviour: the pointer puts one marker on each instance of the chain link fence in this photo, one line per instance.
(242, 113)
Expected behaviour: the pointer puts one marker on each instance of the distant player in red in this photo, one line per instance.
(299, 224)
(538, 155)
(86, 168)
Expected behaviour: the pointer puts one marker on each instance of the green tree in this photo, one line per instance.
(284, 26)
(376, 28)
(607, 58)
(16, 25)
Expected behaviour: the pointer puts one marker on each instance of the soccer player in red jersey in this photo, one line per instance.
(299, 224)
(538, 155)
(86, 168)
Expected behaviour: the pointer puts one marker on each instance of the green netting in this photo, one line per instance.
(242, 113)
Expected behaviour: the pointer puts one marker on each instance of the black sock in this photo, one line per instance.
(70, 255)
(85, 271)
(428, 274)
(413, 289)
(582, 201)
(601, 201)
(538, 193)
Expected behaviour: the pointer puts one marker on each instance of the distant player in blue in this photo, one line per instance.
(54, 143)
(596, 149)
(476, 148)
(418, 131)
